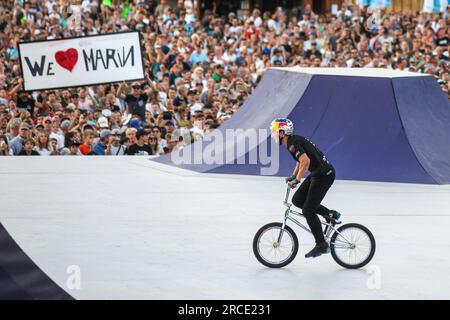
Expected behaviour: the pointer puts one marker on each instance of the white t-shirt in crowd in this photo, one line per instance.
(42, 152)
(50, 4)
(257, 22)
(117, 151)
(229, 57)
(66, 152)
(235, 29)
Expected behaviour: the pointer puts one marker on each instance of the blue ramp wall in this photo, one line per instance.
(370, 128)
(355, 122)
(425, 115)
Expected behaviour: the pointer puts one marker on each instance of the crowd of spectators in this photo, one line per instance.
(198, 71)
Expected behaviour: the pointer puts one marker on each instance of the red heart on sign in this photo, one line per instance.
(67, 59)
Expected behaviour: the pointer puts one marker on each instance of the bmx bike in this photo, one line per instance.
(275, 244)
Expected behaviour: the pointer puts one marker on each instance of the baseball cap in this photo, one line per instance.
(136, 84)
(103, 122)
(115, 132)
(88, 126)
(105, 133)
(169, 123)
(442, 63)
(24, 125)
(73, 143)
(71, 106)
(106, 113)
(141, 133)
(135, 123)
(65, 124)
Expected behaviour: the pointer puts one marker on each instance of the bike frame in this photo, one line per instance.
(289, 213)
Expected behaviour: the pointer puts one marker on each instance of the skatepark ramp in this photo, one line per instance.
(372, 124)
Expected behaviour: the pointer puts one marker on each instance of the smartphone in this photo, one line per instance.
(167, 115)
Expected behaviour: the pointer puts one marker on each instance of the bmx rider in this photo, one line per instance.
(314, 188)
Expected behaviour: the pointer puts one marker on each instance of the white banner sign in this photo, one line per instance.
(435, 6)
(81, 61)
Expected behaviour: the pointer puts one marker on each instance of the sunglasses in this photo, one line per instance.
(135, 87)
(152, 139)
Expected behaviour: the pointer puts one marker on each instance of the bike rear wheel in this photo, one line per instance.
(352, 246)
(269, 251)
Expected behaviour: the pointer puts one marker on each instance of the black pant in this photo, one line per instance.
(309, 196)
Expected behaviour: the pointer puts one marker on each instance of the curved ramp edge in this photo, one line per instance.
(21, 278)
(275, 96)
(425, 114)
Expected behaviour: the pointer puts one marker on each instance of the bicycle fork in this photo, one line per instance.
(280, 236)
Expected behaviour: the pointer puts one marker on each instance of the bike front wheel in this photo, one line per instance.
(352, 246)
(272, 251)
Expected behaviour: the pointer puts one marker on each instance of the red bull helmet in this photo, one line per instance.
(282, 124)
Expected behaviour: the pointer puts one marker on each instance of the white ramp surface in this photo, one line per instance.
(142, 230)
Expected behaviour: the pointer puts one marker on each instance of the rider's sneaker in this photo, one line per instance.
(335, 215)
(319, 249)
